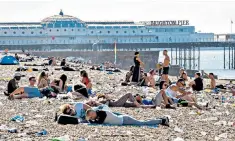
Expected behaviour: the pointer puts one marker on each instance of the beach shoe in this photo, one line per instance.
(6, 93)
(165, 121)
(168, 106)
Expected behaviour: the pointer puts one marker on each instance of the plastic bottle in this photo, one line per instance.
(223, 99)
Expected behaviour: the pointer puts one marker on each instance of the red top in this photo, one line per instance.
(86, 81)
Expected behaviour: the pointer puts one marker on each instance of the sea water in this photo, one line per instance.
(211, 61)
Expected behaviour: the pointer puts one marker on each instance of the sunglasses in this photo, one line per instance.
(70, 111)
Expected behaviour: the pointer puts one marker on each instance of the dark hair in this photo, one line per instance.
(81, 72)
(211, 73)
(136, 53)
(43, 74)
(30, 78)
(85, 74)
(180, 80)
(63, 78)
(161, 84)
(198, 74)
(151, 71)
(165, 50)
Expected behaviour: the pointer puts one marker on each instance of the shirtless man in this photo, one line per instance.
(166, 67)
(212, 78)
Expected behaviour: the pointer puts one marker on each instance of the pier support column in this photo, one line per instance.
(171, 53)
(185, 60)
(190, 57)
(224, 58)
(229, 63)
(176, 57)
(194, 58)
(234, 57)
(199, 58)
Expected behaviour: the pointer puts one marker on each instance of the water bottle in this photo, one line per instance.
(223, 99)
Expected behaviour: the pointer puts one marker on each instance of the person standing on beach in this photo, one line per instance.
(166, 67)
(136, 72)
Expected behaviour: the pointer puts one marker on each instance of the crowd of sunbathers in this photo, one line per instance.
(96, 110)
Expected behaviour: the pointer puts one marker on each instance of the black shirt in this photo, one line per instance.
(199, 84)
(137, 63)
(101, 116)
(62, 63)
(12, 86)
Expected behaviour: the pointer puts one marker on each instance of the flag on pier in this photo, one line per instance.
(115, 53)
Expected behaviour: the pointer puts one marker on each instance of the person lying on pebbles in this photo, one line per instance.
(127, 101)
(78, 110)
(107, 117)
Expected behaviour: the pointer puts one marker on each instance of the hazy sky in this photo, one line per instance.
(207, 15)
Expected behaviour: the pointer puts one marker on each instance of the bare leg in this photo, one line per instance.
(121, 102)
(20, 96)
(17, 91)
(190, 104)
(165, 98)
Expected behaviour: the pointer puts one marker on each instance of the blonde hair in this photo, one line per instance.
(63, 108)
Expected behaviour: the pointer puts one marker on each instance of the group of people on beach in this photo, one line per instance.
(96, 110)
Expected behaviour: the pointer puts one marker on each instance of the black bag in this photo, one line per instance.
(82, 90)
(66, 119)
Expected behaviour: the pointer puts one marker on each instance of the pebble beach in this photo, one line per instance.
(186, 124)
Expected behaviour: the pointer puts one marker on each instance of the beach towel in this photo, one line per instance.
(148, 126)
(32, 92)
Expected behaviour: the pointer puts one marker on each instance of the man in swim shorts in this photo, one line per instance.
(166, 67)
(26, 92)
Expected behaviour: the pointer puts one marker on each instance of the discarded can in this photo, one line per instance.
(13, 130)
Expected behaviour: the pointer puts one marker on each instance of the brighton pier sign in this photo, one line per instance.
(166, 23)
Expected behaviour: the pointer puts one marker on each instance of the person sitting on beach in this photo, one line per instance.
(17, 57)
(87, 82)
(60, 84)
(149, 79)
(197, 84)
(43, 80)
(212, 78)
(161, 96)
(159, 68)
(184, 76)
(25, 92)
(180, 73)
(180, 96)
(13, 84)
(63, 62)
(129, 74)
(107, 117)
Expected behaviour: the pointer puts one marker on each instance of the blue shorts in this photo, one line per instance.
(89, 91)
(32, 92)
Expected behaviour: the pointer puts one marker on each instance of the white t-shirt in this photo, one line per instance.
(113, 119)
